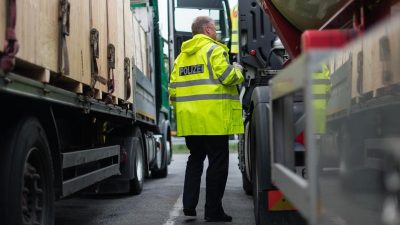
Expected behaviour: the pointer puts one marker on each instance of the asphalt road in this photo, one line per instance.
(159, 204)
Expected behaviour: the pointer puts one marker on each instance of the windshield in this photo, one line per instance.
(185, 16)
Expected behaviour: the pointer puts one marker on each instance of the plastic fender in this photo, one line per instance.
(260, 125)
(130, 164)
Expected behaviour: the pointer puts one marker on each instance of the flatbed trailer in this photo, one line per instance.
(60, 136)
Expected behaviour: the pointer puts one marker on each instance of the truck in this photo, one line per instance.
(335, 164)
(183, 11)
(262, 55)
(83, 89)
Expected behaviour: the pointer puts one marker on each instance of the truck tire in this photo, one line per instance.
(26, 173)
(169, 151)
(162, 172)
(136, 184)
(169, 147)
(246, 184)
(246, 175)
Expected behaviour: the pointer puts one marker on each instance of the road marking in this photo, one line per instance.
(174, 213)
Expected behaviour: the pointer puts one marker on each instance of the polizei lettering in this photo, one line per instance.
(189, 70)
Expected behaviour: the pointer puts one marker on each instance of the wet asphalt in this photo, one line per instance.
(159, 204)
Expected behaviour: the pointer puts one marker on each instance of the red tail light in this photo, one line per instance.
(124, 156)
(253, 52)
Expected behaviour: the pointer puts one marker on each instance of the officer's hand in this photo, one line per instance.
(237, 66)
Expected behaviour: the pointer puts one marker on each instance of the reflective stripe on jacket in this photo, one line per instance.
(320, 90)
(203, 89)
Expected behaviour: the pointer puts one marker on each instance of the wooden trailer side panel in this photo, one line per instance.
(98, 20)
(137, 58)
(380, 70)
(115, 11)
(78, 41)
(129, 41)
(37, 32)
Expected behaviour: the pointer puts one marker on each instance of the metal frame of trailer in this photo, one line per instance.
(301, 192)
(376, 152)
(24, 87)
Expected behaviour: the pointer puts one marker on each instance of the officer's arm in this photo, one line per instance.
(225, 72)
(171, 86)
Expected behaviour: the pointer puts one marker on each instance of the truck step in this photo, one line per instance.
(88, 167)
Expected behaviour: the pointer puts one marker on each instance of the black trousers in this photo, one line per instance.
(216, 148)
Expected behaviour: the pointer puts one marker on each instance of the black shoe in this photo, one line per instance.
(223, 218)
(189, 212)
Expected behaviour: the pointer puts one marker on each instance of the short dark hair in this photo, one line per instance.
(199, 23)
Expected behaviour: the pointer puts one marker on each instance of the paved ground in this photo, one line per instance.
(159, 203)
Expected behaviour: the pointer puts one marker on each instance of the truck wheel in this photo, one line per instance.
(136, 184)
(263, 216)
(169, 146)
(162, 170)
(246, 175)
(259, 198)
(26, 172)
(261, 175)
(169, 152)
(246, 185)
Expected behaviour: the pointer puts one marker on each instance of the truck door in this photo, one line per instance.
(185, 11)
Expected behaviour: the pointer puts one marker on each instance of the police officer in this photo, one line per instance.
(204, 95)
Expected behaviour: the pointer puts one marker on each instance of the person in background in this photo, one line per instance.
(320, 89)
(206, 101)
(234, 35)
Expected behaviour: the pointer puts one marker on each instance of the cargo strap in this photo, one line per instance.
(360, 72)
(63, 17)
(111, 67)
(384, 56)
(94, 55)
(127, 76)
(11, 46)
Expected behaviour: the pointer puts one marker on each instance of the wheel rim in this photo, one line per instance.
(139, 165)
(159, 158)
(33, 193)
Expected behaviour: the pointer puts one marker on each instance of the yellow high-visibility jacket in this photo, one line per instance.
(235, 27)
(320, 89)
(203, 89)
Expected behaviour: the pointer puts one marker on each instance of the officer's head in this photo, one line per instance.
(204, 25)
